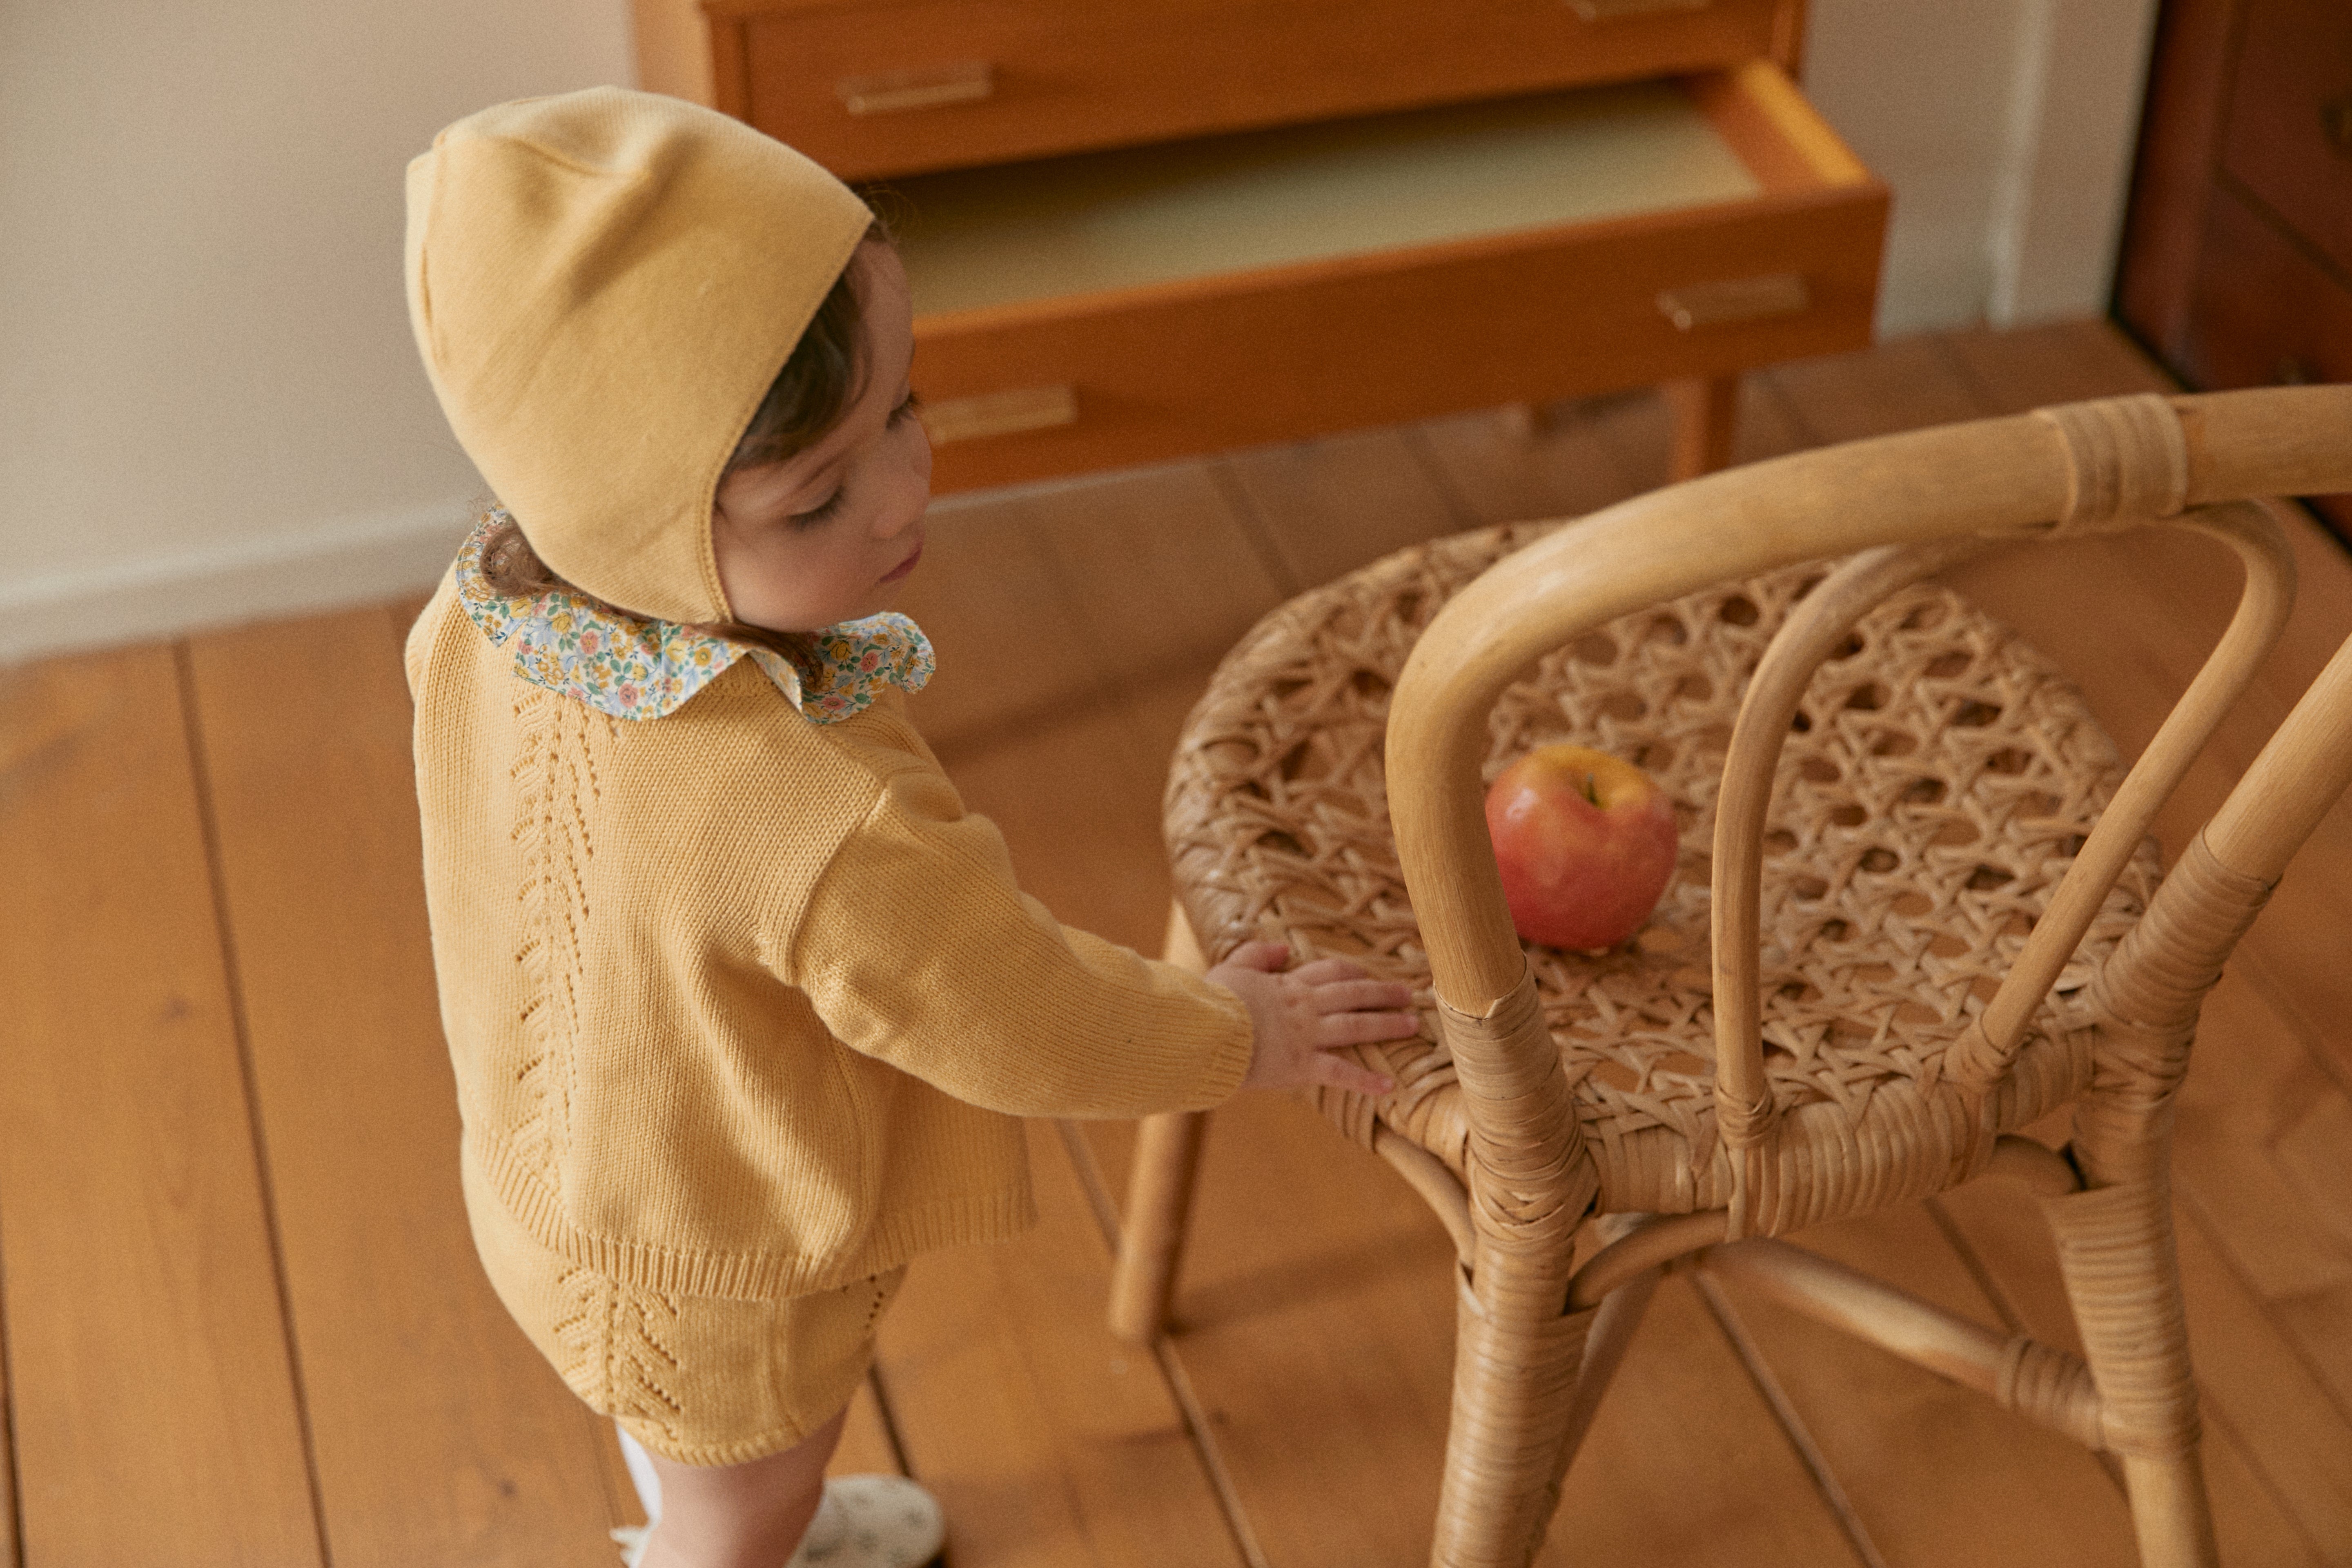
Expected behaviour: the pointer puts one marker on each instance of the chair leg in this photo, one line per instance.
(1158, 1190)
(1613, 1322)
(2116, 1252)
(1152, 1234)
(1515, 1402)
(1706, 412)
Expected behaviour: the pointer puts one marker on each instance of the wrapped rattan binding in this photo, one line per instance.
(2129, 1315)
(1510, 1388)
(1532, 1184)
(2149, 993)
(2127, 461)
(2162, 970)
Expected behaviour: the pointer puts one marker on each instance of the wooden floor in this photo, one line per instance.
(243, 1325)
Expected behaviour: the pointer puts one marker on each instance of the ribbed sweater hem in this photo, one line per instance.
(753, 1275)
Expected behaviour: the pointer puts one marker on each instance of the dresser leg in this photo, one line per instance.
(1705, 410)
(1527, 421)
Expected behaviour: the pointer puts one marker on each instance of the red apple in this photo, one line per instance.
(1586, 844)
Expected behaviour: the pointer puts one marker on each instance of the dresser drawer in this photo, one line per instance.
(2289, 138)
(2265, 314)
(884, 90)
(1125, 307)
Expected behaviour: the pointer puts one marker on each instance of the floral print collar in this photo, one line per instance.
(636, 668)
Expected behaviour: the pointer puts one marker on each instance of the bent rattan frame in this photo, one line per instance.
(1931, 911)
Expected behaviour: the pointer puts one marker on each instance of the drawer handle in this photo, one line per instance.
(928, 86)
(2335, 118)
(999, 414)
(1735, 300)
(1610, 10)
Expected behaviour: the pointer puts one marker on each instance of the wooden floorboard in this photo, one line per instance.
(1328, 506)
(1654, 1484)
(151, 1395)
(238, 1340)
(1918, 1456)
(989, 593)
(1906, 384)
(1049, 1444)
(2270, 1293)
(1315, 1322)
(11, 1554)
(1579, 457)
(1075, 800)
(2248, 1368)
(1163, 572)
(2254, 1103)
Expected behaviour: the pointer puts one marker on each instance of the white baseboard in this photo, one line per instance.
(349, 560)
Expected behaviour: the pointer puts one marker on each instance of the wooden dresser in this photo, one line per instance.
(2237, 265)
(1152, 228)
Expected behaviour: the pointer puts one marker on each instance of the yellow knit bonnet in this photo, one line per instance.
(602, 285)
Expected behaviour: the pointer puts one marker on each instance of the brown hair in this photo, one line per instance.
(808, 398)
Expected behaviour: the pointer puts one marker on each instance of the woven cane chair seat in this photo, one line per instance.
(1939, 779)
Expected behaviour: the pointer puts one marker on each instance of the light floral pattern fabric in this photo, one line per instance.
(636, 668)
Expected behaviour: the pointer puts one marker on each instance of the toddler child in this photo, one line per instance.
(744, 1005)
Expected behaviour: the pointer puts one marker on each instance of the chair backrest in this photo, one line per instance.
(1904, 506)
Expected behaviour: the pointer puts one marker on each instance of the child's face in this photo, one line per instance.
(828, 533)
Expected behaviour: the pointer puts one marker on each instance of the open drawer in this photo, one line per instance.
(1116, 308)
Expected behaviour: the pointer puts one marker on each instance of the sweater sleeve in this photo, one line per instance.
(917, 948)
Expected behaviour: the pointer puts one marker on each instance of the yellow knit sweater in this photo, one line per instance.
(745, 1006)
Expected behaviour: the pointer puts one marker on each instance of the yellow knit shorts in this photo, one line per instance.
(696, 1379)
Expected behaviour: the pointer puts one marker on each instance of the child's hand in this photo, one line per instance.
(1304, 1017)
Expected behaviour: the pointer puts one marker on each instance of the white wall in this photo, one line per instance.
(210, 405)
(211, 408)
(2006, 129)
(2080, 78)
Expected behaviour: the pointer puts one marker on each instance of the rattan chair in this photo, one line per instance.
(1933, 910)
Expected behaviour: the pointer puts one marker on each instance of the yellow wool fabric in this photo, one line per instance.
(602, 285)
(744, 1007)
(696, 1379)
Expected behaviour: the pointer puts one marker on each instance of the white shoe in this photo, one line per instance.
(872, 1521)
(862, 1521)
